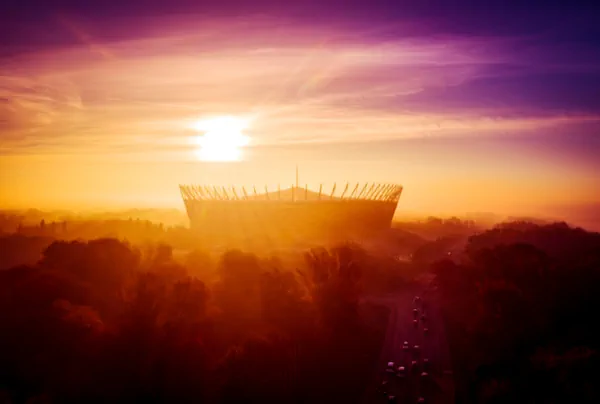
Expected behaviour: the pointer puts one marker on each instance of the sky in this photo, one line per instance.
(471, 107)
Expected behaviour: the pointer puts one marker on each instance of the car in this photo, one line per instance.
(415, 313)
(421, 400)
(390, 367)
(426, 331)
(415, 323)
(405, 345)
(424, 375)
(423, 317)
(392, 399)
(414, 366)
(416, 348)
(426, 364)
(401, 371)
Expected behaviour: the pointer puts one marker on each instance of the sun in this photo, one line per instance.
(222, 140)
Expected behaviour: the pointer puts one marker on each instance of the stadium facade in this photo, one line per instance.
(235, 216)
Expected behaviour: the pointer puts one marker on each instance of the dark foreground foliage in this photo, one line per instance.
(102, 321)
(522, 315)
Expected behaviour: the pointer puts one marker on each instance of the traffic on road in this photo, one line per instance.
(409, 376)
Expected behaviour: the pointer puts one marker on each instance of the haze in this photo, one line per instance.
(469, 110)
(299, 202)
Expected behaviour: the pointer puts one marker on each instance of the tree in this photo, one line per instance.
(262, 369)
(237, 290)
(104, 262)
(188, 301)
(333, 281)
(283, 303)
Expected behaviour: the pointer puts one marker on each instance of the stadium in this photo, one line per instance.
(238, 217)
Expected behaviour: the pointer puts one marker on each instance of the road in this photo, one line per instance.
(438, 387)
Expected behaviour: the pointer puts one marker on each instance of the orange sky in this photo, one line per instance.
(108, 123)
(453, 185)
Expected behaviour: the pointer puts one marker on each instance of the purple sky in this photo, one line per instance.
(456, 81)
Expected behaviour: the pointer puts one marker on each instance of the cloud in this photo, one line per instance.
(303, 83)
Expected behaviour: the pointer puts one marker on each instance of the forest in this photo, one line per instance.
(109, 320)
(102, 320)
(521, 314)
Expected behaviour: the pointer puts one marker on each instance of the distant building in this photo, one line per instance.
(238, 217)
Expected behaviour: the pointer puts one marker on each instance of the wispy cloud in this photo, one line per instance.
(301, 83)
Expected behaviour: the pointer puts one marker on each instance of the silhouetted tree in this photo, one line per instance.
(333, 281)
(237, 290)
(524, 287)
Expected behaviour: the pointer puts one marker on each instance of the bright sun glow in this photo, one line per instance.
(222, 139)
